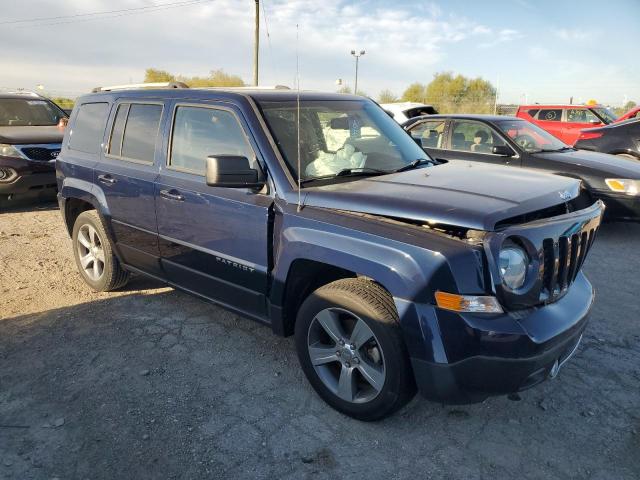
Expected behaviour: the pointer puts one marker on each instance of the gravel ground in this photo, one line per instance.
(152, 383)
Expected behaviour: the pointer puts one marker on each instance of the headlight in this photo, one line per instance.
(623, 185)
(513, 264)
(11, 151)
(7, 174)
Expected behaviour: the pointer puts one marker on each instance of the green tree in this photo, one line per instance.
(387, 96)
(65, 103)
(216, 78)
(414, 93)
(153, 75)
(345, 89)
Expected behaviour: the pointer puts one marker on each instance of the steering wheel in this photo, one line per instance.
(527, 142)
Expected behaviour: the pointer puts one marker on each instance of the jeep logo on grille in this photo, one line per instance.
(55, 154)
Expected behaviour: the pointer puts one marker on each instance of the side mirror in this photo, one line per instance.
(231, 171)
(503, 150)
(595, 122)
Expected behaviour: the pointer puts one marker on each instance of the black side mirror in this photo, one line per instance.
(231, 171)
(503, 150)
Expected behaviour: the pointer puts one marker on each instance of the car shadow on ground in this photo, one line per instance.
(28, 204)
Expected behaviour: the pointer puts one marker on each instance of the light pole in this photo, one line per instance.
(357, 55)
(256, 44)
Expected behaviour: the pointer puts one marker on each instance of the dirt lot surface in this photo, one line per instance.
(152, 383)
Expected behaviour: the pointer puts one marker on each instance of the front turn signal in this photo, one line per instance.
(467, 303)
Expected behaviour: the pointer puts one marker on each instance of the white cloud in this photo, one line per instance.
(502, 36)
(402, 43)
(574, 34)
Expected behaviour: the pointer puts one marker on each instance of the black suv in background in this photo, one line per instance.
(31, 131)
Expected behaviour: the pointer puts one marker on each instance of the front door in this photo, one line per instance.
(125, 174)
(213, 241)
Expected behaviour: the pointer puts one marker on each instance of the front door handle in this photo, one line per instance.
(172, 195)
(108, 179)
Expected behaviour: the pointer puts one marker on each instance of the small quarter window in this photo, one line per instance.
(88, 128)
(199, 132)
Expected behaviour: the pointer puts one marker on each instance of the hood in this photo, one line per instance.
(31, 135)
(608, 166)
(465, 194)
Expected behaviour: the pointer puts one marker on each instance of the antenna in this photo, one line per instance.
(298, 115)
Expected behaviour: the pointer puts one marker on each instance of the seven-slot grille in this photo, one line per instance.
(563, 259)
(42, 154)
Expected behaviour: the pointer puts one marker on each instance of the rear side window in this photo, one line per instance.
(135, 130)
(88, 128)
(532, 111)
(550, 115)
(199, 132)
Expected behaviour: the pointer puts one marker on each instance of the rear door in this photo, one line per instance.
(473, 140)
(214, 241)
(431, 135)
(550, 119)
(126, 175)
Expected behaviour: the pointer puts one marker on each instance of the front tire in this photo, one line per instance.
(350, 347)
(96, 262)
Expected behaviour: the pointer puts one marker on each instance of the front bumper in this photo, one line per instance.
(471, 357)
(620, 207)
(31, 176)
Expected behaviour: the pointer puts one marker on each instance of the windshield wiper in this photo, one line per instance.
(349, 172)
(561, 149)
(416, 163)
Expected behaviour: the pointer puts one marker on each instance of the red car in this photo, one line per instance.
(633, 113)
(566, 121)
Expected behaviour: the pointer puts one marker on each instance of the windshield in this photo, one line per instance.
(605, 114)
(530, 137)
(19, 112)
(339, 136)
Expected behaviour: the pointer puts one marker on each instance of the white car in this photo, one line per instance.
(403, 111)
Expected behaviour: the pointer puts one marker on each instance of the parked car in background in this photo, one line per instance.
(566, 121)
(620, 138)
(403, 111)
(392, 270)
(631, 114)
(31, 131)
(516, 142)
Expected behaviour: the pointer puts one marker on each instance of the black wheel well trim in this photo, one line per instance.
(304, 277)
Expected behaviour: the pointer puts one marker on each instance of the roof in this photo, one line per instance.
(404, 105)
(561, 105)
(470, 116)
(214, 93)
(20, 95)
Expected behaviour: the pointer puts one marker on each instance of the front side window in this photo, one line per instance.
(529, 136)
(200, 132)
(88, 128)
(22, 112)
(581, 115)
(550, 115)
(430, 134)
(474, 137)
(338, 137)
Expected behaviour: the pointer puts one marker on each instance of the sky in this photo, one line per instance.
(533, 50)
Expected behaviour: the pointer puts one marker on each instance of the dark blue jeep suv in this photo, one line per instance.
(318, 215)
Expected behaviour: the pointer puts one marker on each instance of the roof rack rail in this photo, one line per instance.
(133, 86)
(248, 87)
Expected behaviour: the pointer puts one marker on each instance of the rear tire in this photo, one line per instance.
(350, 347)
(96, 262)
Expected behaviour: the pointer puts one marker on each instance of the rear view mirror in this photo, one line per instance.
(231, 171)
(339, 123)
(503, 150)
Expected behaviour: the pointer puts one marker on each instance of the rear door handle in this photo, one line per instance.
(108, 179)
(172, 195)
